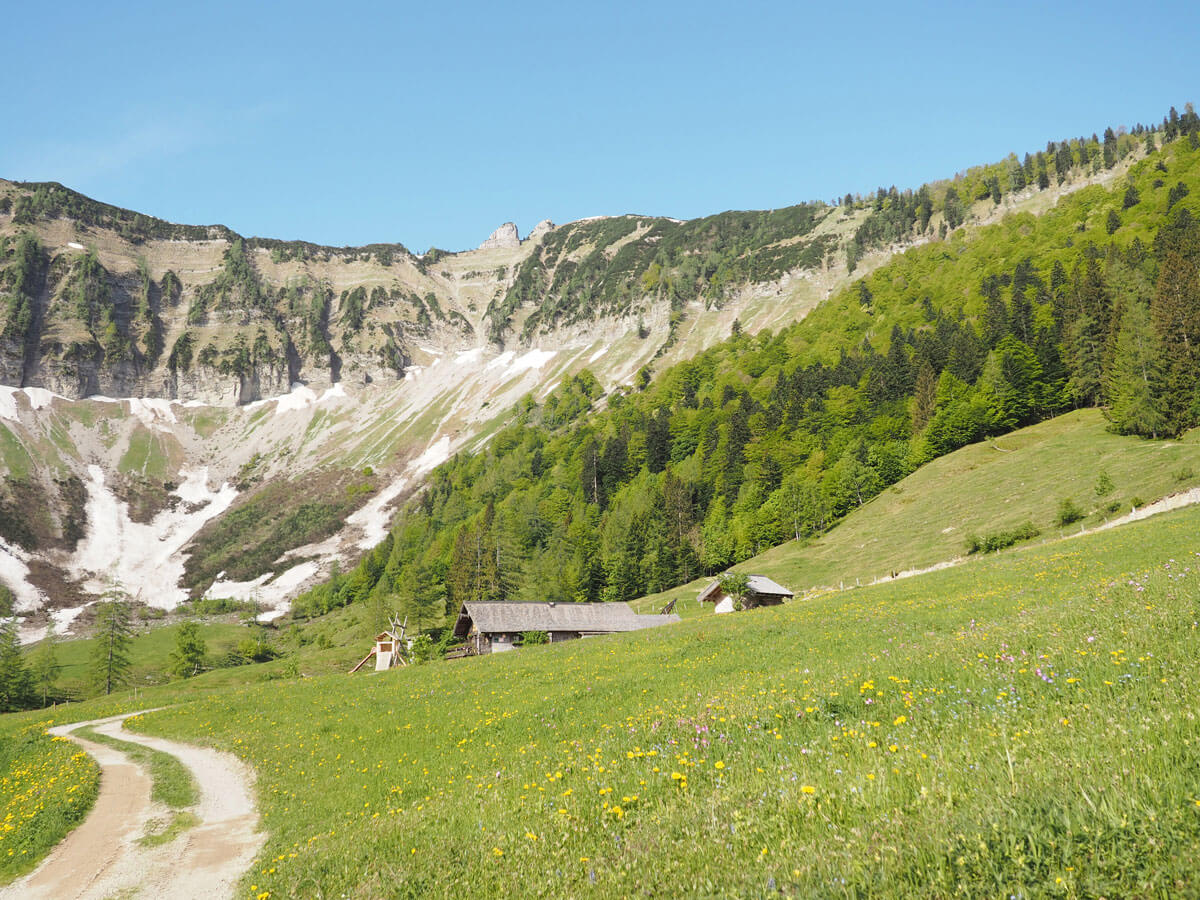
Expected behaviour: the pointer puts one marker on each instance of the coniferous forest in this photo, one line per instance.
(773, 437)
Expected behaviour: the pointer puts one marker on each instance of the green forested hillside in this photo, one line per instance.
(772, 437)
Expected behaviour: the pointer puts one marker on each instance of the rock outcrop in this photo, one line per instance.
(505, 237)
(541, 229)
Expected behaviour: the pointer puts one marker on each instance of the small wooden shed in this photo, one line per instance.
(760, 591)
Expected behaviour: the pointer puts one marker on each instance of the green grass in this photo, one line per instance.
(47, 786)
(145, 455)
(1022, 724)
(982, 489)
(15, 456)
(149, 652)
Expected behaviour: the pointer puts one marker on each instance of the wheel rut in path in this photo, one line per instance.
(102, 857)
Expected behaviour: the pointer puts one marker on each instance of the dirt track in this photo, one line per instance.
(102, 856)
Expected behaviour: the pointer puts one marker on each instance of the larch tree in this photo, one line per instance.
(187, 659)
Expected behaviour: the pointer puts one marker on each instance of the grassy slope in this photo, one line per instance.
(540, 767)
(1022, 724)
(982, 489)
(149, 653)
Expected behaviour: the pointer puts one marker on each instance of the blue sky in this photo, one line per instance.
(431, 124)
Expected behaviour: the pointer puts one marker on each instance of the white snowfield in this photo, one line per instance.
(144, 560)
(14, 572)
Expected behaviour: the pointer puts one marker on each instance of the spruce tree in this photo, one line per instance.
(1175, 312)
(110, 652)
(14, 677)
(1086, 341)
(1134, 381)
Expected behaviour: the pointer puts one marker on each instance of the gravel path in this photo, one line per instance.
(102, 857)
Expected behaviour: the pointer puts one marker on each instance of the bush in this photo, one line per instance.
(1104, 485)
(1068, 512)
(1001, 539)
(256, 650)
(215, 606)
(529, 638)
(423, 650)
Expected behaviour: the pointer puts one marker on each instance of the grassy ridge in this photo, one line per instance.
(1021, 725)
(173, 783)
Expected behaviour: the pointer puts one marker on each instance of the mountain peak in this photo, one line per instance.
(506, 236)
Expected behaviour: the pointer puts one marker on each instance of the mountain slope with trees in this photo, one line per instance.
(773, 437)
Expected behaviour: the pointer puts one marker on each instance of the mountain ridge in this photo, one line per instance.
(284, 368)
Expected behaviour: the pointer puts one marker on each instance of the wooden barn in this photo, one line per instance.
(760, 591)
(490, 627)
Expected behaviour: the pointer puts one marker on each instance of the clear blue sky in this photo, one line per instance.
(432, 123)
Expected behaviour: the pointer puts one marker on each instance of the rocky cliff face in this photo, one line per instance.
(505, 237)
(267, 379)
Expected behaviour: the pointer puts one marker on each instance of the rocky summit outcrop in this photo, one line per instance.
(542, 228)
(505, 237)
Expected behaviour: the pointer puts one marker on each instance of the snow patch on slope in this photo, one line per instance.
(374, 517)
(534, 359)
(8, 403)
(301, 396)
(14, 572)
(435, 454)
(155, 414)
(40, 398)
(264, 590)
(146, 560)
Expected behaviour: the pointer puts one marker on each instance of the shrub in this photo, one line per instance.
(256, 650)
(1068, 512)
(1001, 539)
(529, 638)
(422, 649)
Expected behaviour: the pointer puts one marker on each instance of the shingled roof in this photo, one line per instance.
(585, 618)
(756, 584)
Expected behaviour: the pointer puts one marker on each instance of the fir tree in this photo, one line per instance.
(110, 651)
(1175, 312)
(1134, 382)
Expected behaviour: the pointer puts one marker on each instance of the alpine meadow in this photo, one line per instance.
(278, 507)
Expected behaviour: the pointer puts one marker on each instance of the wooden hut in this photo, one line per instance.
(760, 591)
(491, 627)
